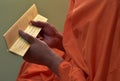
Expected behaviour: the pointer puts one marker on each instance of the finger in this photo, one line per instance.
(39, 24)
(27, 37)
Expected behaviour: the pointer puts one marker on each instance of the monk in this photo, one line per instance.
(88, 50)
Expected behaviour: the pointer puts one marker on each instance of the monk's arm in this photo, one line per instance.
(40, 53)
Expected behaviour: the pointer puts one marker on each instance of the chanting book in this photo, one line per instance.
(17, 44)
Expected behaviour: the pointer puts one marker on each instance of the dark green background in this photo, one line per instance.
(10, 11)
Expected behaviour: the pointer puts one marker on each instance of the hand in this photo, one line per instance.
(40, 53)
(49, 35)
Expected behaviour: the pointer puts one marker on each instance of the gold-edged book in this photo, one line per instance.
(15, 43)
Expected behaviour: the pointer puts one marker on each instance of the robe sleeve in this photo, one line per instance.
(34, 72)
(67, 72)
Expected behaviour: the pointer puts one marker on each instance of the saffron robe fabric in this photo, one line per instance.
(92, 43)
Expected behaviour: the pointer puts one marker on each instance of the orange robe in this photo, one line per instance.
(92, 43)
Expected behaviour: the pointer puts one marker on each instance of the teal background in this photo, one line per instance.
(10, 11)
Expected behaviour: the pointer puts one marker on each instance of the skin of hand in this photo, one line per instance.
(40, 53)
(49, 35)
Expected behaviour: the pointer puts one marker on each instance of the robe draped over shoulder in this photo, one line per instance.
(91, 40)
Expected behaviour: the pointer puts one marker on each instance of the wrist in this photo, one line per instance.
(54, 64)
(60, 44)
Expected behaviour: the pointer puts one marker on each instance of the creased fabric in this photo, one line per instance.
(92, 43)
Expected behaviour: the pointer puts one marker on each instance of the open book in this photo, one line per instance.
(15, 43)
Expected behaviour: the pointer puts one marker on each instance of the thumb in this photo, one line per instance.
(27, 37)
